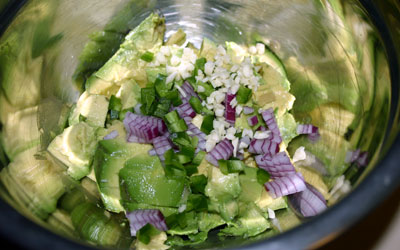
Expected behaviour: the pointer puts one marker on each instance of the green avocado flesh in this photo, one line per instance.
(109, 159)
(142, 180)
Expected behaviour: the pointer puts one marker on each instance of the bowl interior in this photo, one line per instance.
(334, 56)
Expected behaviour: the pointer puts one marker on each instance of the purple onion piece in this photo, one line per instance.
(278, 165)
(112, 135)
(230, 112)
(307, 203)
(222, 151)
(263, 146)
(195, 131)
(310, 130)
(247, 110)
(189, 91)
(262, 128)
(152, 152)
(139, 218)
(185, 110)
(282, 186)
(270, 120)
(357, 156)
(143, 129)
(161, 145)
(362, 160)
(252, 121)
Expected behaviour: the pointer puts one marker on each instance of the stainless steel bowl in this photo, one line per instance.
(352, 46)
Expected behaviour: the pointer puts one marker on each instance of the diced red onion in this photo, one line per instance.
(309, 202)
(185, 110)
(152, 152)
(222, 151)
(282, 186)
(262, 128)
(310, 130)
(112, 135)
(230, 112)
(352, 156)
(139, 218)
(161, 145)
(247, 110)
(360, 158)
(263, 146)
(269, 118)
(252, 121)
(278, 165)
(313, 162)
(143, 129)
(189, 91)
(195, 131)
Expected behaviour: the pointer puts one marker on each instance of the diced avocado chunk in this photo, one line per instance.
(241, 122)
(208, 221)
(253, 191)
(72, 199)
(250, 222)
(187, 223)
(287, 219)
(129, 93)
(90, 187)
(126, 63)
(156, 242)
(306, 87)
(19, 72)
(98, 86)
(236, 52)
(271, 59)
(288, 127)
(116, 125)
(20, 132)
(153, 72)
(93, 107)
(143, 180)
(332, 117)
(96, 225)
(331, 149)
(315, 179)
(228, 209)
(274, 96)
(320, 84)
(178, 38)
(75, 148)
(221, 187)
(266, 201)
(34, 184)
(208, 49)
(109, 159)
(222, 191)
(101, 46)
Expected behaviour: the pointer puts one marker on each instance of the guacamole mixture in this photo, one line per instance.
(169, 142)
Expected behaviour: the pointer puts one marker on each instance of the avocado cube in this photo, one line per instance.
(143, 180)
